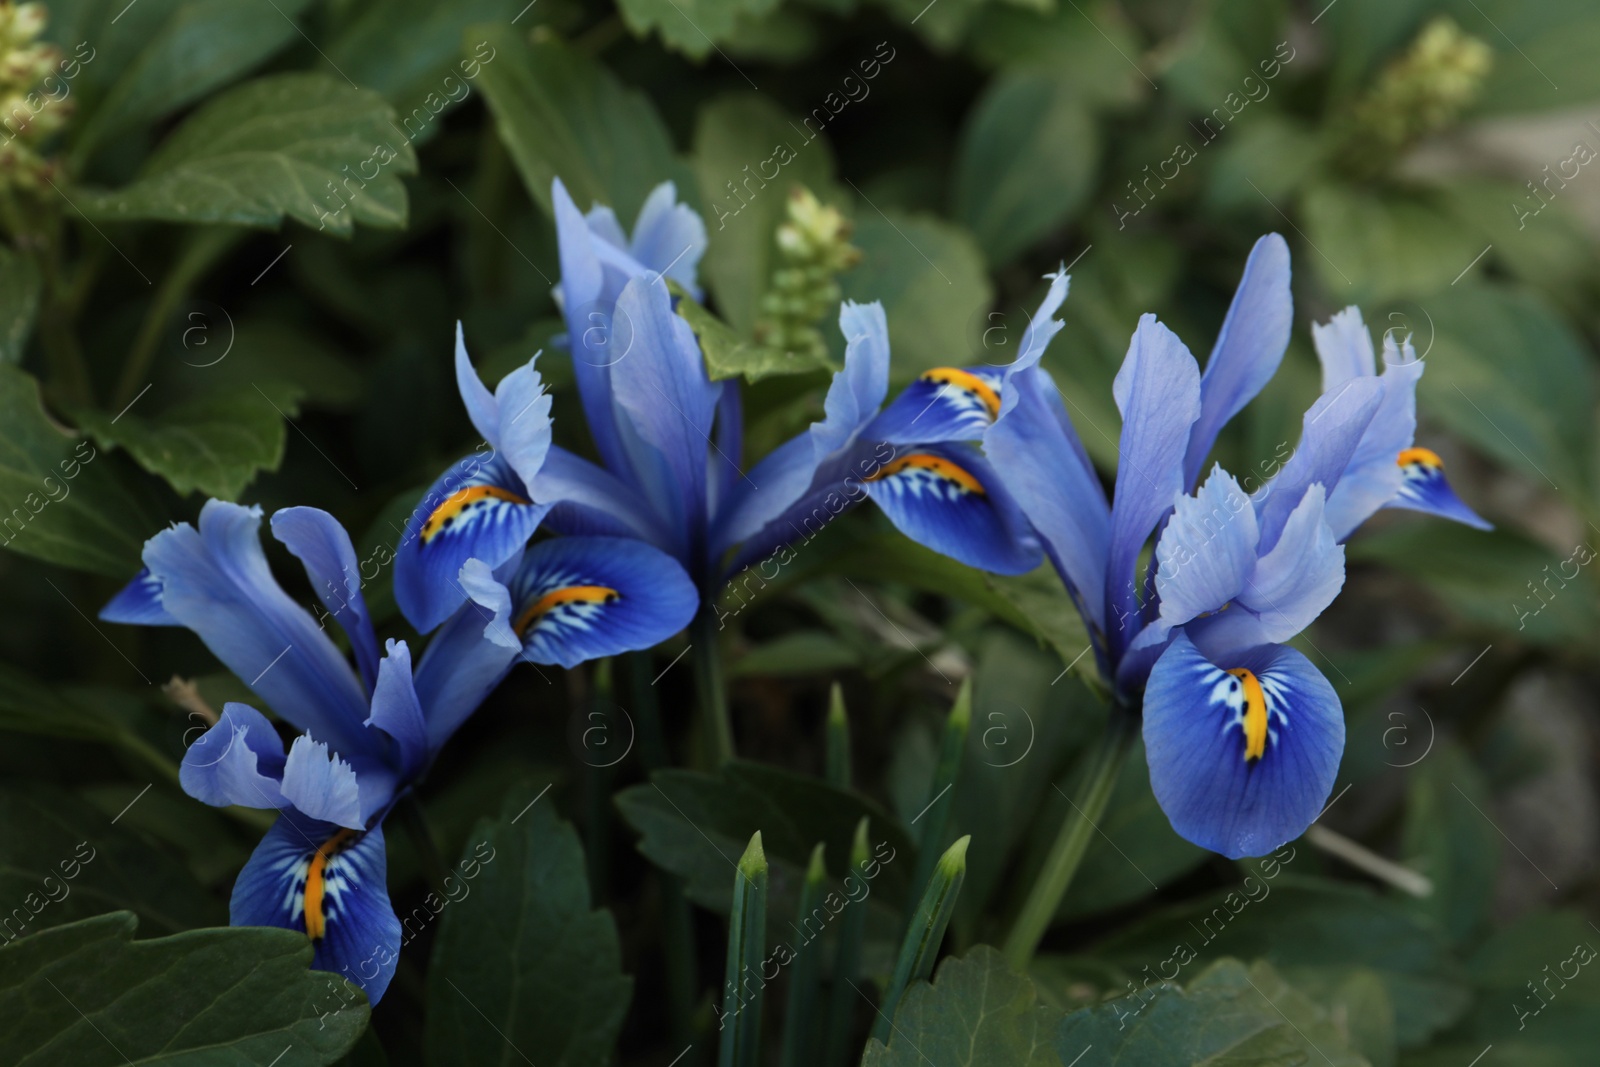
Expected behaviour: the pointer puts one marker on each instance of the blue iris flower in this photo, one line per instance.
(368, 732)
(1242, 734)
(670, 440)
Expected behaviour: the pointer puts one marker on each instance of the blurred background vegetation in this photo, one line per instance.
(196, 298)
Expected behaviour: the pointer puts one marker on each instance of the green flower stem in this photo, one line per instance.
(711, 685)
(598, 780)
(747, 945)
(1044, 899)
(921, 944)
(934, 821)
(800, 1022)
(845, 998)
(838, 734)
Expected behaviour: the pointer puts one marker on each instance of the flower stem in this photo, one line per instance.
(710, 685)
(1044, 899)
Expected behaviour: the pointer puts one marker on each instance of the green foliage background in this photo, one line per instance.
(190, 306)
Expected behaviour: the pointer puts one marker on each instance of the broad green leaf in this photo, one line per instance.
(528, 968)
(1089, 48)
(1293, 921)
(60, 500)
(1040, 599)
(563, 115)
(1541, 52)
(696, 825)
(89, 995)
(1231, 1015)
(748, 157)
(215, 445)
(19, 302)
(302, 146)
(1448, 838)
(1368, 247)
(1136, 851)
(1534, 413)
(62, 860)
(1028, 154)
(1483, 578)
(412, 52)
(1358, 1004)
(932, 281)
(728, 355)
(220, 356)
(178, 53)
(976, 1012)
(693, 27)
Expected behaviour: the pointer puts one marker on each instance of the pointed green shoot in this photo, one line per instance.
(740, 1017)
(845, 997)
(800, 1024)
(921, 945)
(838, 729)
(933, 822)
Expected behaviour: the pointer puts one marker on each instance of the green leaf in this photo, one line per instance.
(60, 500)
(695, 825)
(222, 356)
(1229, 1016)
(528, 965)
(1535, 414)
(728, 355)
(89, 995)
(1292, 922)
(173, 54)
(405, 49)
(739, 140)
(563, 115)
(1542, 52)
(1358, 1004)
(215, 445)
(19, 302)
(1368, 248)
(977, 1012)
(62, 860)
(693, 27)
(933, 284)
(288, 145)
(1067, 43)
(1448, 839)
(1028, 153)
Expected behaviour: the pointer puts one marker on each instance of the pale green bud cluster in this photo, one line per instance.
(27, 115)
(1419, 93)
(813, 248)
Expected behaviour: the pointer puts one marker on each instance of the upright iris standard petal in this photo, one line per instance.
(948, 498)
(215, 581)
(317, 540)
(575, 599)
(397, 711)
(1242, 751)
(139, 603)
(459, 669)
(1158, 392)
(669, 237)
(1254, 337)
(1207, 551)
(1332, 431)
(478, 509)
(1424, 488)
(327, 882)
(1344, 348)
(239, 760)
(320, 784)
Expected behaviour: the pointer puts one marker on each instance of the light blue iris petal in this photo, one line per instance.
(361, 939)
(669, 237)
(1036, 454)
(1254, 336)
(858, 390)
(525, 429)
(491, 528)
(139, 603)
(1372, 478)
(459, 669)
(1333, 429)
(982, 528)
(481, 406)
(1210, 793)
(215, 581)
(317, 540)
(589, 499)
(1207, 550)
(397, 711)
(933, 409)
(320, 784)
(1344, 348)
(1158, 392)
(654, 599)
(239, 760)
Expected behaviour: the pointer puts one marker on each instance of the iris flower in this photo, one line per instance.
(669, 439)
(1242, 734)
(368, 732)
